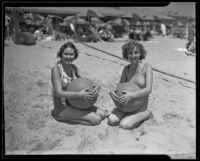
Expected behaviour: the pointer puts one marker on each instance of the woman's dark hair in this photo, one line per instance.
(66, 45)
(130, 46)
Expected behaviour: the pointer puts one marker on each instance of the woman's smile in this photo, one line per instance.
(68, 55)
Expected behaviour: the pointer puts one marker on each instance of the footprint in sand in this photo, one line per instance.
(85, 143)
(41, 83)
(172, 116)
(69, 133)
(43, 144)
(35, 122)
(104, 135)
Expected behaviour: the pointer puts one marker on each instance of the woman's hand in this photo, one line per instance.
(114, 96)
(86, 95)
(126, 97)
(96, 90)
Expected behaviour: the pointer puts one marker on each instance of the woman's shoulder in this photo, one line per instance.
(125, 69)
(74, 67)
(56, 66)
(146, 66)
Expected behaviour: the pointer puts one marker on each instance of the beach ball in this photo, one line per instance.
(132, 105)
(76, 86)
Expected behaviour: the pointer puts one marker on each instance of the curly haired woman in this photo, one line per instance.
(140, 74)
(61, 75)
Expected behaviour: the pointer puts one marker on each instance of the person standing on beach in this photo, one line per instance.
(140, 74)
(61, 75)
(7, 25)
(163, 29)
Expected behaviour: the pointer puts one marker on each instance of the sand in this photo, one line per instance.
(30, 128)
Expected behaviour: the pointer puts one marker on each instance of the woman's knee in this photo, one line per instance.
(125, 125)
(96, 120)
(102, 114)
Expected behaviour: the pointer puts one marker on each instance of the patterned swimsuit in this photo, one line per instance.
(65, 80)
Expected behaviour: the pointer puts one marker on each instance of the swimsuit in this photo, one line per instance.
(61, 103)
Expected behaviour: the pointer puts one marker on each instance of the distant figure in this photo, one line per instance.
(163, 29)
(132, 35)
(191, 46)
(49, 27)
(72, 27)
(7, 25)
(38, 34)
(106, 35)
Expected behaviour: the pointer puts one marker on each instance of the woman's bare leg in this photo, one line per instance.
(115, 117)
(70, 114)
(87, 116)
(100, 111)
(134, 119)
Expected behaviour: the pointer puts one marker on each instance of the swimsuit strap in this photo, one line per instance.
(63, 73)
(73, 75)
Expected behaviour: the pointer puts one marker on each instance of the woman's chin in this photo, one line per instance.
(68, 62)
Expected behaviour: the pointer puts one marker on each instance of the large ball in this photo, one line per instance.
(132, 105)
(76, 86)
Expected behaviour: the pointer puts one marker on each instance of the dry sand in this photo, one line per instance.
(30, 128)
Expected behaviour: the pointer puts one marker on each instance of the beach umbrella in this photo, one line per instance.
(126, 22)
(164, 17)
(65, 23)
(138, 23)
(111, 12)
(149, 17)
(146, 23)
(70, 18)
(75, 20)
(95, 20)
(120, 22)
(33, 16)
(106, 25)
(180, 24)
(56, 18)
(33, 23)
(89, 13)
(131, 15)
(79, 21)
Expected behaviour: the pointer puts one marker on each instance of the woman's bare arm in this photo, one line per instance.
(149, 81)
(124, 75)
(55, 79)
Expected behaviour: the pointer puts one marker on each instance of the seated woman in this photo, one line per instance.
(62, 73)
(140, 74)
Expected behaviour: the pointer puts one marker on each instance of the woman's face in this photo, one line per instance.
(134, 55)
(68, 55)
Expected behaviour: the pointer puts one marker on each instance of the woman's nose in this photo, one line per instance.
(67, 56)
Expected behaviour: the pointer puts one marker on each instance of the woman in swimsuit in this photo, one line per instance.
(140, 74)
(61, 74)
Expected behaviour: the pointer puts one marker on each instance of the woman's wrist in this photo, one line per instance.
(133, 95)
